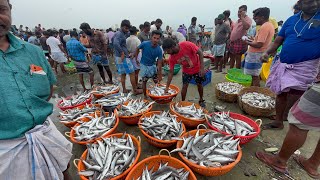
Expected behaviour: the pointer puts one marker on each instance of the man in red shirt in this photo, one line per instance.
(190, 57)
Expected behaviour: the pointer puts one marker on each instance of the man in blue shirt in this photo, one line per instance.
(77, 52)
(151, 53)
(31, 147)
(122, 59)
(290, 77)
(299, 60)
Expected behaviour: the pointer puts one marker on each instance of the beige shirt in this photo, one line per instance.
(132, 43)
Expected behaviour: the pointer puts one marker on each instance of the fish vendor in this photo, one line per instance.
(303, 117)
(99, 52)
(122, 59)
(31, 147)
(151, 60)
(258, 45)
(299, 61)
(190, 57)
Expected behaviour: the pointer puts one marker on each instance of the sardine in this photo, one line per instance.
(164, 126)
(229, 87)
(164, 172)
(76, 114)
(105, 89)
(159, 90)
(75, 99)
(113, 161)
(113, 100)
(212, 150)
(259, 100)
(96, 127)
(191, 111)
(225, 123)
(134, 107)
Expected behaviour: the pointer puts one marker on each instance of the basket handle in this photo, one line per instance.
(259, 122)
(75, 162)
(166, 150)
(139, 139)
(67, 134)
(202, 125)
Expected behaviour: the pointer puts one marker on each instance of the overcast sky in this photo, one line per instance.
(108, 13)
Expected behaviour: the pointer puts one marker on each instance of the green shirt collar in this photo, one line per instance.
(15, 43)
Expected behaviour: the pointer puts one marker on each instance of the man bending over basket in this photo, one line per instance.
(191, 58)
(31, 147)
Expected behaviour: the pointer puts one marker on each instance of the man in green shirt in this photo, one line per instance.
(27, 136)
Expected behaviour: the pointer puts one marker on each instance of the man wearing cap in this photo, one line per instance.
(31, 147)
(132, 44)
(99, 52)
(222, 31)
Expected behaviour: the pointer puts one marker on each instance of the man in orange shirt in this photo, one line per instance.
(259, 44)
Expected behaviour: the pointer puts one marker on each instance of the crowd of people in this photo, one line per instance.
(29, 73)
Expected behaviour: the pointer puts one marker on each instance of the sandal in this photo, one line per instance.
(262, 157)
(202, 103)
(297, 159)
(272, 126)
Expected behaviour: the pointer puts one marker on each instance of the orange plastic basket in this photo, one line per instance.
(99, 96)
(154, 162)
(112, 130)
(189, 123)
(133, 120)
(208, 171)
(164, 99)
(154, 141)
(122, 176)
(71, 124)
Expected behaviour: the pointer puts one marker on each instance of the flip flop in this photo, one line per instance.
(297, 159)
(271, 126)
(262, 158)
(272, 117)
(127, 91)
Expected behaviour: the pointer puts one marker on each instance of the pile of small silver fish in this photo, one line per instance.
(210, 149)
(229, 87)
(164, 126)
(227, 124)
(109, 157)
(158, 90)
(165, 172)
(96, 127)
(113, 100)
(107, 89)
(191, 111)
(76, 99)
(134, 107)
(259, 100)
(76, 114)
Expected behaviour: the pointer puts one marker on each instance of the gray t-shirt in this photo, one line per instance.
(221, 33)
(143, 36)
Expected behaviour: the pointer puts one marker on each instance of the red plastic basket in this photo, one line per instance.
(243, 139)
(88, 101)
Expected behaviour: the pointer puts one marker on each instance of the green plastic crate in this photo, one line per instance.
(236, 75)
(176, 70)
